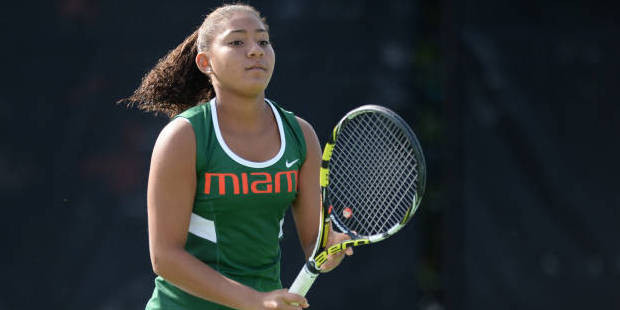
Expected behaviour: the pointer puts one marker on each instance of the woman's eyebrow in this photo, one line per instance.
(245, 31)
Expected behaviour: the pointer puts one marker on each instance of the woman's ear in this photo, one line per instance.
(202, 61)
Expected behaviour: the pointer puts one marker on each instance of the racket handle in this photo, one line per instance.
(304, 281)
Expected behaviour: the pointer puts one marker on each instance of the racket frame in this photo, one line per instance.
(311, 269)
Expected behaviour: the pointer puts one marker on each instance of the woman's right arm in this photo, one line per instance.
(170, 199)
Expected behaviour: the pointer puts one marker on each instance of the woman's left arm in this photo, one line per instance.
(306, 208)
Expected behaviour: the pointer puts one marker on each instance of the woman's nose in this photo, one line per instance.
(255, 50)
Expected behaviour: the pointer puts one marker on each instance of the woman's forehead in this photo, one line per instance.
(242, 21)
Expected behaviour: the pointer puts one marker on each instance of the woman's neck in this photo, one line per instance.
(245, 113)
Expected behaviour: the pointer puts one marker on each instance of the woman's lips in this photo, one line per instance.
(256, 67)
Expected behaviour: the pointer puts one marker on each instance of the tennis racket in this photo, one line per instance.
(372, 179)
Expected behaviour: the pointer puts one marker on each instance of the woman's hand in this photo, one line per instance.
(333, 260)
(281, 299)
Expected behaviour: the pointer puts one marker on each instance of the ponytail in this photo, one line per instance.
(175, 84)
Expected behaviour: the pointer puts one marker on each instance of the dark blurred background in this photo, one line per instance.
(516, 104)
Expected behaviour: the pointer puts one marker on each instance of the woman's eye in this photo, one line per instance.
(236, 43)
(263, 42)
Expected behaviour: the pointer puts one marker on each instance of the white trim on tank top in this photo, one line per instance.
(202, 227)
(205, 229)
(237, 158)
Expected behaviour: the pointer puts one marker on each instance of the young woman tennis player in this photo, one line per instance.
(224, 171)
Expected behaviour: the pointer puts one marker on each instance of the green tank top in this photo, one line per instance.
(239, 207)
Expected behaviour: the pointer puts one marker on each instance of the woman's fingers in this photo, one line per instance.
(283, 300)
(349, 251)
(333, 260)
(295, 299)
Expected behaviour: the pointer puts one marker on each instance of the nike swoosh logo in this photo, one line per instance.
(288, 165)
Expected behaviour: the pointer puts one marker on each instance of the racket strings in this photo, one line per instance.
(398, 195)
(383, 219)
(373, 174)
(380, 221)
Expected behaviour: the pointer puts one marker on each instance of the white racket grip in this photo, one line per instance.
(303, 282)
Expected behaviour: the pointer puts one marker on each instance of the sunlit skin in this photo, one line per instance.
(240, 60)
(239, 63)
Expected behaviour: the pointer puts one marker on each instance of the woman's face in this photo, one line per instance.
(241, 57)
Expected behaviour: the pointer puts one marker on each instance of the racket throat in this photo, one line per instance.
(311, 266)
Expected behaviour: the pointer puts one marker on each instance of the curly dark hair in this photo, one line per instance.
(176, 84)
